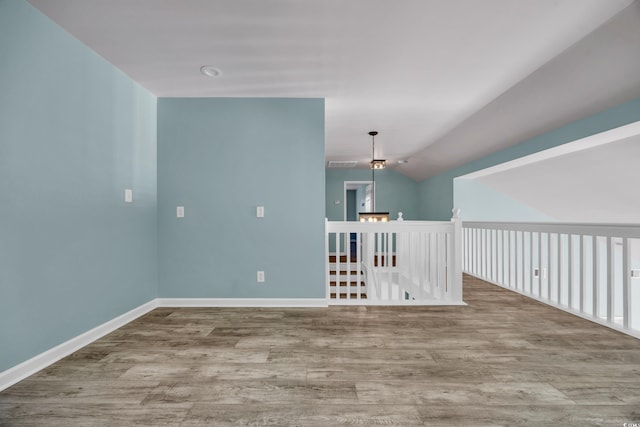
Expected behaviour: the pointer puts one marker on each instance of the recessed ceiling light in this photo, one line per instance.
(210, 71)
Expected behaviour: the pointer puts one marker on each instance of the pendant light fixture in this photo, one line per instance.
(375, 163)
(374, 216)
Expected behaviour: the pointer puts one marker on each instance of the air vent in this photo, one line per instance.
(342, 164)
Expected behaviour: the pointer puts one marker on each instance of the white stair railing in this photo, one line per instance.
(591, 270)
(395, 263)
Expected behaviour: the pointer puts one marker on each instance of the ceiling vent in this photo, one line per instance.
(342, 164)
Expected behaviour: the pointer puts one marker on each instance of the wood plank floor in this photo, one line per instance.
(502, 360)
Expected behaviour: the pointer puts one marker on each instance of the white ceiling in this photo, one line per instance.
(443, 81)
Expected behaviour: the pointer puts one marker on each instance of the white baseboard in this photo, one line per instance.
(41, 361)
(29, 367)
(242, 302)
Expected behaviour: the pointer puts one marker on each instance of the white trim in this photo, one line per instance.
(29, 367)
(347, 186)
(242, 302)
(613, 135)
(566, 309)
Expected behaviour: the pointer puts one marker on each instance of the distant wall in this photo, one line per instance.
(480, 202)
(394, 192)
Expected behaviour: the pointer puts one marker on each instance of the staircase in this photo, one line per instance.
(346, 279)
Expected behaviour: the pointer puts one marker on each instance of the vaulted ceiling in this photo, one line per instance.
(442, 81)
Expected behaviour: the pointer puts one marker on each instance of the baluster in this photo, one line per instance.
(486, 254)
(432, 272)
(626, 283)
(571, 256)
(504, 262)
(612, 277)
(549, 266)
(442, 275)
(596, 276)
(467, 247)
(448, 264)
(523, 256)
(337, 266)
(531, 264)
(348, 263)
(472, 251)
(508, 282)
(359, 266)
(422, 261)
(390, 263)
(559, 288)
(490, 255)
(581, 276)
(539, 265)
(479, 252)
(327, 268)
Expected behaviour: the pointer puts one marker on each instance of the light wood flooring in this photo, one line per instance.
(502, 360)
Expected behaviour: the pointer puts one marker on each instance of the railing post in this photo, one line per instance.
(327, 277)
(456, 291)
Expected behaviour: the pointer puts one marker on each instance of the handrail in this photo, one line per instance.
(613, 230)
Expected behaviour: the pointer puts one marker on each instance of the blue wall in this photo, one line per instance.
(74, 133)
(480, 202)
(220, 158)
(394, 192)
(436, 193)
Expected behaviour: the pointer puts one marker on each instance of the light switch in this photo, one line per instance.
(128, 195)
(260, 276)
(180, 211)
(260, 212)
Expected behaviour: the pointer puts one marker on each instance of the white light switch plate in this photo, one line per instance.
(180, 211)
(128, 195)
(260, 276)
(260, 212)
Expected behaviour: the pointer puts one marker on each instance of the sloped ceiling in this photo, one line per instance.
(443, 81)
(597, 73)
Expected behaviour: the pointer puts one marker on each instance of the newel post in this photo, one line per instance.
(456, 292)
(327, 277)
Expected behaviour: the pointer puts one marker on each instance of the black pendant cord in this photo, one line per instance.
(373, 174)
(373, 134)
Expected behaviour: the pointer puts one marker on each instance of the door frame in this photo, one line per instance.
(352, 185)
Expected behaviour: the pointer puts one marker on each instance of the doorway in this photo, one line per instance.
(357, 198)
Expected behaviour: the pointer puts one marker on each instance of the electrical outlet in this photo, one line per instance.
(536, 273)
(260, 276)
(180, 211)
